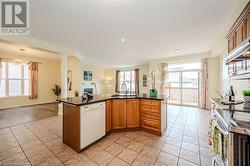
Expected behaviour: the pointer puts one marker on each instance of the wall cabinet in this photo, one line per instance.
(119, 114)
(133, 113)
(231, 43)
(248, 25)
(239, 68)
(238, 33)
(108, 115)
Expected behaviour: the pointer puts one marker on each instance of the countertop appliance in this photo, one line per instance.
(92, 123)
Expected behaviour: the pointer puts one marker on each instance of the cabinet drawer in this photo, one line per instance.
(156, 103)
(151, 124)
(149, 108)
(150, 115)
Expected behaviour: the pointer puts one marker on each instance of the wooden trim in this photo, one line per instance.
(71, 126)
(54, 102)
(239, 20)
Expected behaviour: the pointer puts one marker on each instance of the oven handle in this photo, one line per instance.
(224, 132)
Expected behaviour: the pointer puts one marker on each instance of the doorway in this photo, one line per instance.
(183, 84)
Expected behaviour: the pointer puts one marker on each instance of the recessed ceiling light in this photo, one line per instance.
(21, 49)
(176, 50)
(122, 40)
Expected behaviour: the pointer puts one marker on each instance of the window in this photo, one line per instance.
(128, 77)
(14, 80)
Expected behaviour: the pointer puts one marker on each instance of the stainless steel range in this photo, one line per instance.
(232, 139)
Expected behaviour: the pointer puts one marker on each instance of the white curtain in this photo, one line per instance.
(165, 80)
(204, 102)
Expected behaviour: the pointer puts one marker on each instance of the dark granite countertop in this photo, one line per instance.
(78, 101)
(236, 116)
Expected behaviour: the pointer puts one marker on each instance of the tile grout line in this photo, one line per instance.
(20, 145)
(46, 146)
(182, 139)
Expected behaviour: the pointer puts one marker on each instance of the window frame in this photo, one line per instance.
(131, 81)
(7, 79)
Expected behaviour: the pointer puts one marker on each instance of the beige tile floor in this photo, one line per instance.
(40, 143)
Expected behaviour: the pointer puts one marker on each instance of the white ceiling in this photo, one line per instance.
(152, 29)
(25, 51)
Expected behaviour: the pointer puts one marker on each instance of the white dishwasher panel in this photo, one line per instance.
(92, 123)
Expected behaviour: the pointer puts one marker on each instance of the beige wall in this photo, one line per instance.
(213, 76)
(110, 75)
(98, 77)
(213, 69)
(74, 66)
(48, 76)
(77, 69)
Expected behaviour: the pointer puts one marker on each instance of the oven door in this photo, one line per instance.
(220, 144)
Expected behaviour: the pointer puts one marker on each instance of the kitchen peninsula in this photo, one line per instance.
(86, 121)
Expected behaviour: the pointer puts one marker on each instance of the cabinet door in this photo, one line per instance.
(108, 115)
(248, 25)
(240, 34)
(118, 114)
(231, 43)
(151, 124)
(133, 113)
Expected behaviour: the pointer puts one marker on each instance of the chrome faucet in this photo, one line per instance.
(124, 88)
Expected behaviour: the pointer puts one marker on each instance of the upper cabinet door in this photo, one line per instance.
(119, 114)
(133, 113)
(231, 43)
(240, 33)
(248, 25)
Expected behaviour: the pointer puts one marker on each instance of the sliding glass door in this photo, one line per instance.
(190, 88)
(182, 87)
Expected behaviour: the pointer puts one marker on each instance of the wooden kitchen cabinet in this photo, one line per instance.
(151, 124)
(151, 115)
(108, 115)
(133, 113)
(237, 34)
(231, 43)
(119, 114)
(248, 25)
(240, 34)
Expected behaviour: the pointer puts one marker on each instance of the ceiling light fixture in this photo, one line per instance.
(122, 40)
(177, 50)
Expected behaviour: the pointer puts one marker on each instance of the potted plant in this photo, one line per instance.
(76, 93)
(57, 90)
(246, 94)
(153, 91)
